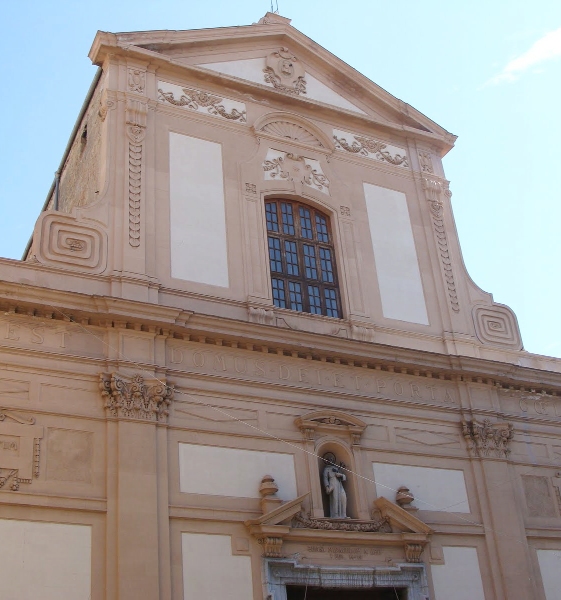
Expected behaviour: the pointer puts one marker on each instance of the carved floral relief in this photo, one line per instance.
(486, 439)
(287, 166)
(135, 399)
(200, 101)
(370, 148)
(285, 72)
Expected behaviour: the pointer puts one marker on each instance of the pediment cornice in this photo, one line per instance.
(151, 46)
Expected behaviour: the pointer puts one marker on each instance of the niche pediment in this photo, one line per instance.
(290, 523)
(292, 128)
(331, 422)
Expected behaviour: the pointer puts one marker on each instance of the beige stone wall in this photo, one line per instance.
(130, 296)
(80, 177)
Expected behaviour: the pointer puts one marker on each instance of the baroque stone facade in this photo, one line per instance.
(243, 352)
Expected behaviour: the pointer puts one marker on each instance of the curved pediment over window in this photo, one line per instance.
(331, 422)
(294, 129)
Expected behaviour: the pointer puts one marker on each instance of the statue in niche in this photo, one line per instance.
(333, 480)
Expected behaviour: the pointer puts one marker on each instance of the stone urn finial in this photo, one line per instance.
(268, 487)
(268, 491)
(404, 498)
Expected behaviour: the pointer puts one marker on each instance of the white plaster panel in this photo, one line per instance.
(50, 561)
(434, 489)
(197, 212)
(316, 90)
(233, 472)
(252, 70)
(550, 562)
(459, 578)
(210, 570)
(248, 68)
(399, 277)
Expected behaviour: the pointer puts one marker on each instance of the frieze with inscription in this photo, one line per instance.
(245, 365)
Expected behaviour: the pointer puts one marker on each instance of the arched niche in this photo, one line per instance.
(343, 456)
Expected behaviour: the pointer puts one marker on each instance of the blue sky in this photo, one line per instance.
(488, 71)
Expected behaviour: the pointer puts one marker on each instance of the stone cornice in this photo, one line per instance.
(23, 301)
(106, 45)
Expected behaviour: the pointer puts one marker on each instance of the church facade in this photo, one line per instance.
(242, 357)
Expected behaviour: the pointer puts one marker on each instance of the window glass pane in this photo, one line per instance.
(291, 258)
(275, 256)
(326, 265)
(301, 257)
(315, 299)
(331, 307)
(306, 223)
(271, 215)
(287, 218)
(321, 227)
(310, 262)
(295, 291)
(278, 293)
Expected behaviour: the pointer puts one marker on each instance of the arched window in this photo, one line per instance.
(302, 258)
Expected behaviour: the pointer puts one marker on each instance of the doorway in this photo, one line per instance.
(300, 592)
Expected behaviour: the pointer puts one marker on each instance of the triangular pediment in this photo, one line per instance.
(274, 56)
(399, 518)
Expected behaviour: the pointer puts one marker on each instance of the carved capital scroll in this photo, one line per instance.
(135, 399)
(486, 439)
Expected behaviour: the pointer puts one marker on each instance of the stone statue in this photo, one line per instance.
(333, 480)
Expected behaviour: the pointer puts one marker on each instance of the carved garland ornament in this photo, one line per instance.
(194, 99)
(433, 189)
(135, 399)
(484, 439)
(302, 520)
(285, 72)
(365, 146)
(279, 168)
(136, 130)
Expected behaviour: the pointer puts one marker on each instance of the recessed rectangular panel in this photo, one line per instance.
(434, 489)
(233, 472)
(210, 571)
(197, 212)
(459, 577)
(399, 277)
(51, 561)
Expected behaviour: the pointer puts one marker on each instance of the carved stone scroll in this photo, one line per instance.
(369, 148)
(302, 520)
(135, 399)
(433, 188)
(486, 439)
(201, 101)
(285, 72)
(286, 166)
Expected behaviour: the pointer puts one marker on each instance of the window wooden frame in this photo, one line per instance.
(302, 258)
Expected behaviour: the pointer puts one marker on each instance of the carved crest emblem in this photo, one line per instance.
(285, 72)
